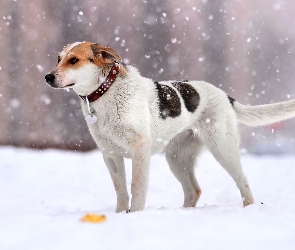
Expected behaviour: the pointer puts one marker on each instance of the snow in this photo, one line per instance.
(40, 68)
(174, 40)
(45, 193)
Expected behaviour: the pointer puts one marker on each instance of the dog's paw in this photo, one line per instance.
(136, 208)
(122, 209)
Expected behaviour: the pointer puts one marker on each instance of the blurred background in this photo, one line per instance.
(247, 48)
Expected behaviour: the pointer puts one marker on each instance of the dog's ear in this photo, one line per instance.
(104, 54)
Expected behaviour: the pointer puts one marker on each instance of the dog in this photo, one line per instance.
(130, 116)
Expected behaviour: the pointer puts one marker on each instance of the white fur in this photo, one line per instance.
(129, 125)
(68, 48)
(84, 78)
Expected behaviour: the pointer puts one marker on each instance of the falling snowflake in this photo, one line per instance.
(39, 67)
(174, 40)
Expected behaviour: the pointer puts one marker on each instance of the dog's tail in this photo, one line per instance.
(264, 114)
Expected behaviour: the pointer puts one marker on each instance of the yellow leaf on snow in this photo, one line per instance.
(93, 218)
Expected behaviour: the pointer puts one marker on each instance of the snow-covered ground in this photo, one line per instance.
(44, 194)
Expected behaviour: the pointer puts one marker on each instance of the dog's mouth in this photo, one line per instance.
(69, 85)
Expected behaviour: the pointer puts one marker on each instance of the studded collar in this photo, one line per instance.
(105, 85)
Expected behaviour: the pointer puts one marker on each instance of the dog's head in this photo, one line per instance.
(82, 66)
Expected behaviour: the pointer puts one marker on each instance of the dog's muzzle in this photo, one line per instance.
(50, 79)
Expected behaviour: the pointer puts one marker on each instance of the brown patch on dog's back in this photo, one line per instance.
(189, 95)
(169, 102)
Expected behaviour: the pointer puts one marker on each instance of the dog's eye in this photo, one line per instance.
(73, 60)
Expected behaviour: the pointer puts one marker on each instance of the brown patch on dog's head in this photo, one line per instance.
(83, 63)
(103, 55)
(74, 55)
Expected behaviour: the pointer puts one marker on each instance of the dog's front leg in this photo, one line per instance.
(116, 167)
(140, 173)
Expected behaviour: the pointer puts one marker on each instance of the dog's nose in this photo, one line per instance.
(49, 78)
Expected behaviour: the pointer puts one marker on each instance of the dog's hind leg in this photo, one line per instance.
(116, 168)
(222, 140)
(181, 153)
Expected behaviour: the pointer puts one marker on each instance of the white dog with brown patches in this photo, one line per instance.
(134, 117)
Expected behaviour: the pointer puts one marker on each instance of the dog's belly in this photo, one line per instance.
(113, 143)
(163, 131)
(159, 146)
(159, 142)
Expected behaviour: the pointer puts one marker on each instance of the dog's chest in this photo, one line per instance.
(110, 128)
(119, 119)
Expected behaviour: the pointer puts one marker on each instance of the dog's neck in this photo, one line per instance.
(105, 85)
